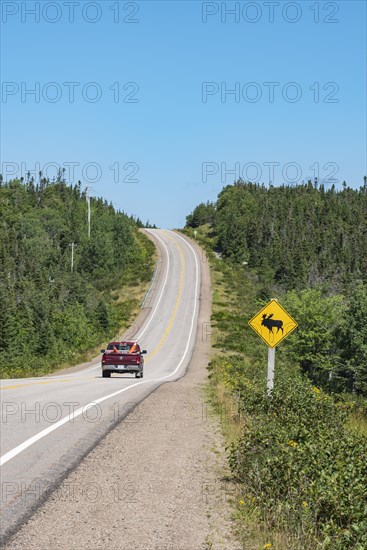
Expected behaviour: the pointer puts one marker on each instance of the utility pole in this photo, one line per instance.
(73, 245)
(88, 203)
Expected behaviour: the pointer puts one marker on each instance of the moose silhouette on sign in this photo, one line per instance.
(270, 323)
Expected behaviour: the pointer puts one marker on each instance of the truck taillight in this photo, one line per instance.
(103, 358)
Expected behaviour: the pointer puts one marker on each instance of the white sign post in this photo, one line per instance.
(271, 369)
(272, 324)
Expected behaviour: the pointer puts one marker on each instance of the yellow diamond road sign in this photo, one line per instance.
(273, 324)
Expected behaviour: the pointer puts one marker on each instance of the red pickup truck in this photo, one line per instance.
(122, 357)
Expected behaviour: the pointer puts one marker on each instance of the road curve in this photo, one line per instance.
(49, 424)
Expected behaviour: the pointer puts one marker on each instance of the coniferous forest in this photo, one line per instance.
(296, 236)
(307, 245)
(51, 310)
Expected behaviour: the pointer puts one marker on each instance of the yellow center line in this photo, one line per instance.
(156, 349)
(178, 299)
(45, 382)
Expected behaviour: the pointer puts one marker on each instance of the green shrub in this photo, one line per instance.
(314, 345)
(300, 465)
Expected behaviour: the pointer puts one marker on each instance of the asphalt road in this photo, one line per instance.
(49, 424)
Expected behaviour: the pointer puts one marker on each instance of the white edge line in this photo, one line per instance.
(163, 287)
(20, 448)
(150, 286)
(97, 366)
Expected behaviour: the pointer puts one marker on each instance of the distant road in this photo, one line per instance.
(48, 424)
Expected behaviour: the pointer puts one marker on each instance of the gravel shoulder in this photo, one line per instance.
(157, 481)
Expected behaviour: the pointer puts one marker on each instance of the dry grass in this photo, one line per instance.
(357, 423)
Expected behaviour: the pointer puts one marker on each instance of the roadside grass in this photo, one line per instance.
(357, 423)
(299, 460)
(221, 404)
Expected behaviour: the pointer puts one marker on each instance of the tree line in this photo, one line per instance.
(56, 283)
(307, 245)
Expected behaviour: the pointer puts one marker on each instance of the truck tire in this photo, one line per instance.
(106, 374)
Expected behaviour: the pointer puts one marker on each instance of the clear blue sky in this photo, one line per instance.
(173, 128)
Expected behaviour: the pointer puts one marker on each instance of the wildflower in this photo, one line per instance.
(268, 545)
(316, 390)
(292, 443)
(242, 502)
(305, 504)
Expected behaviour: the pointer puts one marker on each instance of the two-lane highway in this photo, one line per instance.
(48, 424)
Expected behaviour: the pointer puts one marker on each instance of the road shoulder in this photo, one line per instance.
(155, 481)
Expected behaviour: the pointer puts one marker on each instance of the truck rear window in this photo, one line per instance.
(124, 347)
(119, 347)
